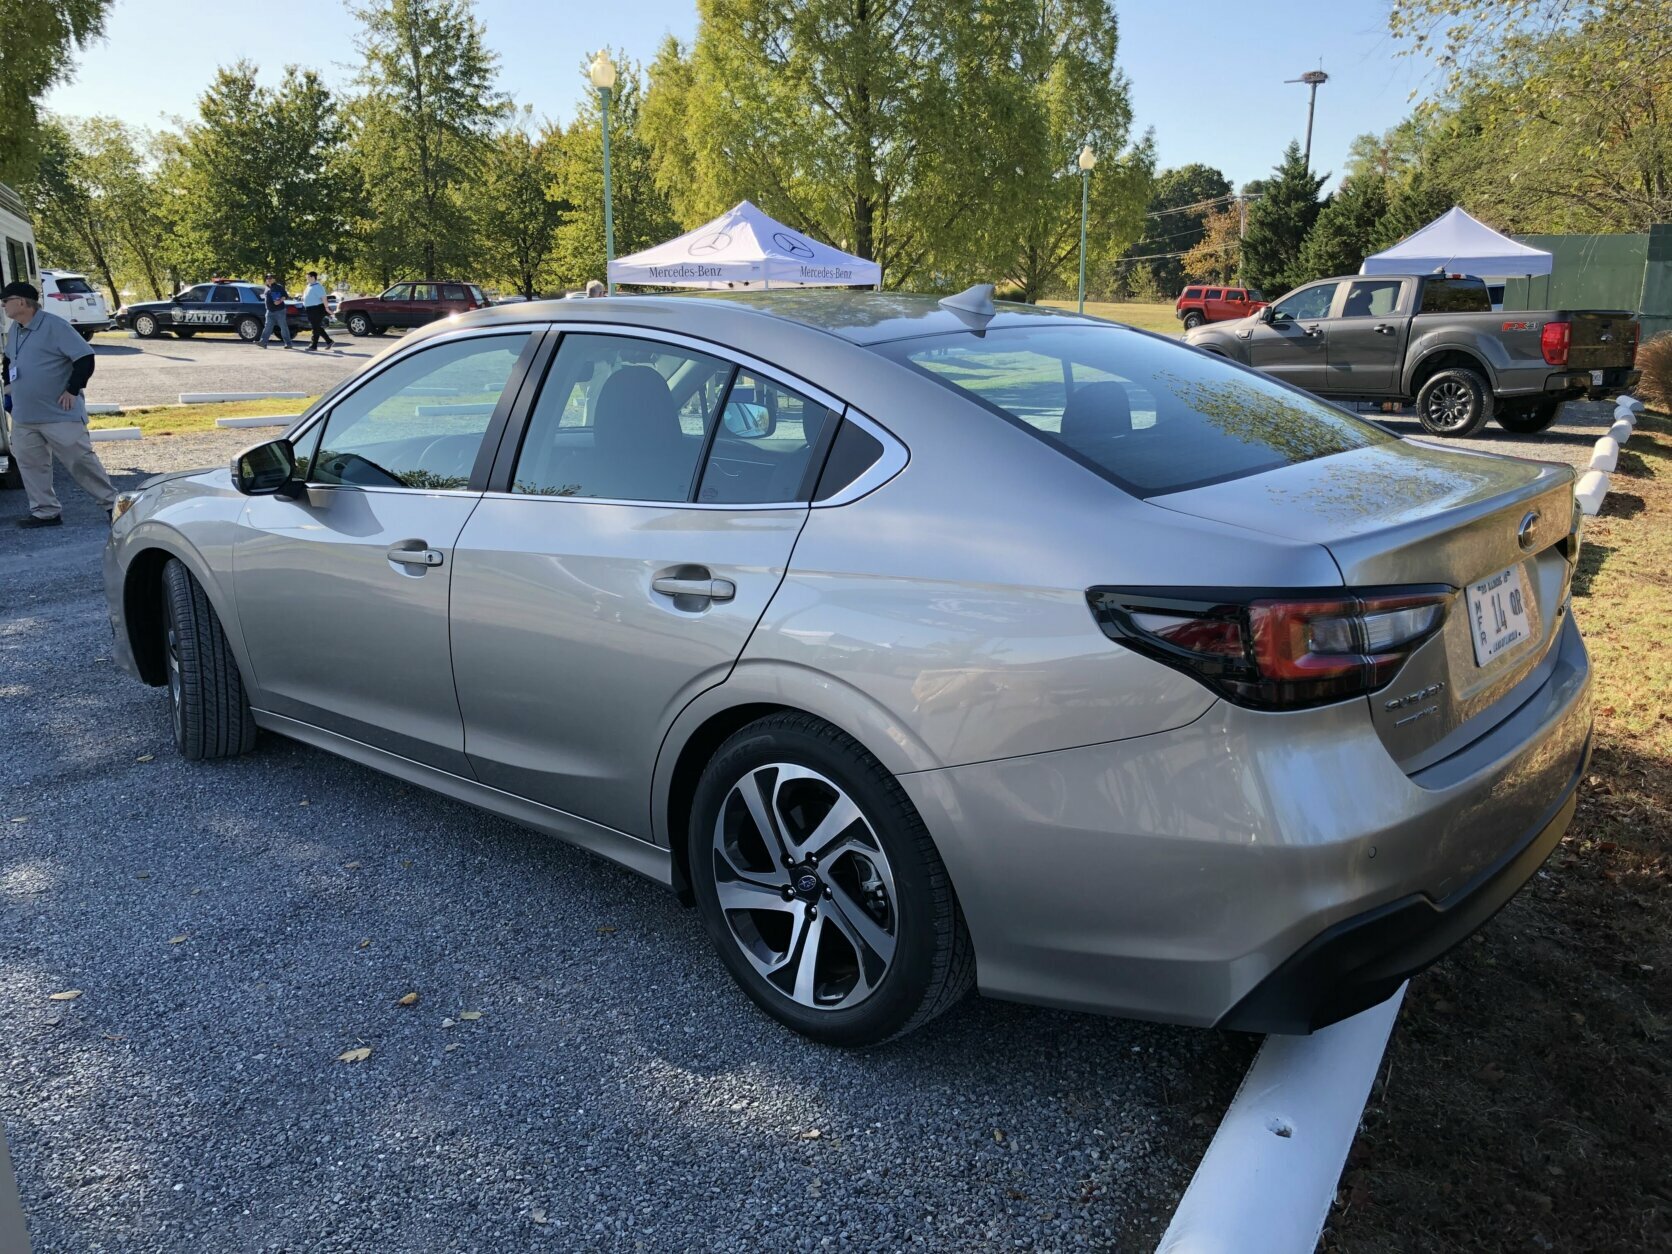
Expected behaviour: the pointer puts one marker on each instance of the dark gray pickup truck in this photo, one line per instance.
(1433, 339)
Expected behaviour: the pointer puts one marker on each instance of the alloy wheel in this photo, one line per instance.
(1450, 405)
(804, 886)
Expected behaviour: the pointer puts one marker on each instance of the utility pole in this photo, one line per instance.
(1313, 79)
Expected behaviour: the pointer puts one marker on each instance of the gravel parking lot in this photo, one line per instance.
(134, 372)
(1579, 425)
(235, 927)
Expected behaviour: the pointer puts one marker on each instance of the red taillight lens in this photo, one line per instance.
(1275, 652)
(60, 296)
(1553, 342)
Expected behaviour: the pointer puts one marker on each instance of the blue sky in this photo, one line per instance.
(1206, 74)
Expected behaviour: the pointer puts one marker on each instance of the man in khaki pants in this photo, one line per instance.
(47, 364)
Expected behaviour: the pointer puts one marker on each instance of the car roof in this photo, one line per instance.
(858, 317)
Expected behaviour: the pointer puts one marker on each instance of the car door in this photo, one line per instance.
(1365, 340)
(188, 310)
(1291, 346)
(342, 592)
(455, 299)
(618, 564)
(393, 308)
(425, 305)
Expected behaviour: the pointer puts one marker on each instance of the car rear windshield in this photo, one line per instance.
(1151, 416)
(1455, 296)
(73, 285)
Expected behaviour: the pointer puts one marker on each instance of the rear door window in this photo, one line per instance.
(1214, 294)
(1371, 298)
(454, 291)
(763, 448)
(1145, 414)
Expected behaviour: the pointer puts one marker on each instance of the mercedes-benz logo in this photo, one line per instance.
(708, 245)
(1525, 534)
(790, 244)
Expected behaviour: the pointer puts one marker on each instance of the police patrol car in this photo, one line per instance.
(233, 306)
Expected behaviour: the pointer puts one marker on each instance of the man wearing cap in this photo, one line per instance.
(47, 364)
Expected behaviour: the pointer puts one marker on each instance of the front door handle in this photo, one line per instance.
(1314, 330)
(703, 589)
(1382, 328)
(416, 557)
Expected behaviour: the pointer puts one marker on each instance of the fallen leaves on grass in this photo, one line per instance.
(355, 1055)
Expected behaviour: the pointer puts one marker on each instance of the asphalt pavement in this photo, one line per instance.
(134, 372)
(233, 928)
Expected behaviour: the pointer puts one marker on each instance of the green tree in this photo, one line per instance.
(1392, 154)
(1278, 223)
(423, 130)
(641, 210)
(1176, 217)
(1414, 204)
(256, 174)
(36, 37)
(1217, 256)
(1340, 239)
(517, 219)
(72, 228)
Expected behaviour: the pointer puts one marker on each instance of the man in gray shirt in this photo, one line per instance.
(46, 365)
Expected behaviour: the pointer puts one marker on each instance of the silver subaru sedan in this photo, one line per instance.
(918, 644)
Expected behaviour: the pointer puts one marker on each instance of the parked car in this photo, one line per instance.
(917, 645)
(409, 305)
(1197, 305)
(233, 306)
(1433, 339)
(76, 301)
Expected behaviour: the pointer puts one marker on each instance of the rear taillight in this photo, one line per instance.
(60, 296)
(1275, 652)
(1553, 342)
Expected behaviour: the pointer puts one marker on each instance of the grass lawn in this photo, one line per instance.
(1145, 317)
(1525, 1097)
(179, 419)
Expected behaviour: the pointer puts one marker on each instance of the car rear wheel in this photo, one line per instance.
(1528, 419)
(249, 329)
(86, 333)
(145, 326)
(210, 711)
(820, 887)
(358, 324)
(1454, 402)
(1192, 320)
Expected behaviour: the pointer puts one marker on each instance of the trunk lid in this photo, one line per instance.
(1402, 514)
(1600, 340)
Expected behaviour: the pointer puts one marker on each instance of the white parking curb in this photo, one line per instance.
(103, 407)
(1606, 454)
(1266, 1183)
(1589, 491)
(209, 398)
(116, 433)
(261, 420)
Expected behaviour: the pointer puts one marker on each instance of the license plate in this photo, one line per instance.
(1498, 614)
(1596, 378)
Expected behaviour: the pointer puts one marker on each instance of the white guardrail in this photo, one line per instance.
(1593, 484)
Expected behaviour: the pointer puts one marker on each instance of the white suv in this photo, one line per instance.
(75, 300)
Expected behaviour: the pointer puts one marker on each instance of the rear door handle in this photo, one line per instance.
(706, 589)
(416, 557)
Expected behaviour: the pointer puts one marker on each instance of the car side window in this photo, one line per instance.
(1214, 293)
(621, 419)
(420, 422)
(194, 295)
(454, 291)
(401, 291)
(424, 291)
(226, 295)
(1233, 293)
(1309, 302)
(764, 445)
(477, 295)
(1192, 293)
(1371, 298)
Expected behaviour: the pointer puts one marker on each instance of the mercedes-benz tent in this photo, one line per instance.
(1458, 244)
(745, 249)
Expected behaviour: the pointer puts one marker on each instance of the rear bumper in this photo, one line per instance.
(1172, 876)
(1618, 379)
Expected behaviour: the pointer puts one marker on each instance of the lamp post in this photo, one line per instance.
(1088, 160)
(602, 73)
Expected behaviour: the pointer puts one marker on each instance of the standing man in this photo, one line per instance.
(313, 304)
(273, 299)
(46, 365)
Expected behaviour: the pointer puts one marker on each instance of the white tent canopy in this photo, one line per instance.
(743, 248)
(1458, 244)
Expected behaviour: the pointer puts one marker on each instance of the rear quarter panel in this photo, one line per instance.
(1507, 344)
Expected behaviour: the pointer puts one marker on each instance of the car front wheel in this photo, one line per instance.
(359, 325)
(249, 329)
(821, 888)
(210, 711)
(145, 326)
(1193, 320)
(1454, 402)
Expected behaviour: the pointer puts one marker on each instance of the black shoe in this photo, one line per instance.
(29, 520)
(312, 348)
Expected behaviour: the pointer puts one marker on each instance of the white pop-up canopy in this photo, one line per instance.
(1458, 244)
(743, 248)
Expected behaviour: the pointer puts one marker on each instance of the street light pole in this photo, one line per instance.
(602, 73)
(1088, 159)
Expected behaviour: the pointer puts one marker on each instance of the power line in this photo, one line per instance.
(1200, 204)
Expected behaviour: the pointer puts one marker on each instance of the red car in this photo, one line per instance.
(1197, 305)
(409, 305)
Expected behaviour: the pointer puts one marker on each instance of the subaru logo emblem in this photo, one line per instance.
(1524, 534)
(806, 884)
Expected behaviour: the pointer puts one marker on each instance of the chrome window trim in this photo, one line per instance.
(894, 459)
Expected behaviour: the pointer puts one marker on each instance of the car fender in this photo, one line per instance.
(1425, 346)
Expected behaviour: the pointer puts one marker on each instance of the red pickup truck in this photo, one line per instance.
(1197, 305)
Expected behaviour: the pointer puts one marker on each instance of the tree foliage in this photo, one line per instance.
(36, 37)
(1278, 224)
(1217, 256)
(1180, 205)
(516, 217)
(1341, 238)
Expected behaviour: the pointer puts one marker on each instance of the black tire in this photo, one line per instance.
(1528, 418)
(184, 335)
(1454, 402)
(933, 962)
(378, 328)
(210, 712)
(86, 333)
(248, 328)
(146, 326)
(1192, 320)
(359, 325)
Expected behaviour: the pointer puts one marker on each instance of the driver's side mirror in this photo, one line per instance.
(267, 470)
(748, 420)
(1267, 315)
